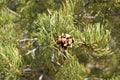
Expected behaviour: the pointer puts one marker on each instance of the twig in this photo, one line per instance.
(41, 77)
(13, 12)
(88, 16)
(54, 61)
(28, 39)
(32, 52)
(44, 76)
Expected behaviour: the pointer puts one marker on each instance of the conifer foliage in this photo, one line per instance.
(59, 40)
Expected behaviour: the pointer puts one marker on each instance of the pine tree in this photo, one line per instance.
(59, 40)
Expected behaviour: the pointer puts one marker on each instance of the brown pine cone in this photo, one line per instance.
(64, 41)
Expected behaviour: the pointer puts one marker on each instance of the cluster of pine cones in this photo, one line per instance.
(64, 41)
